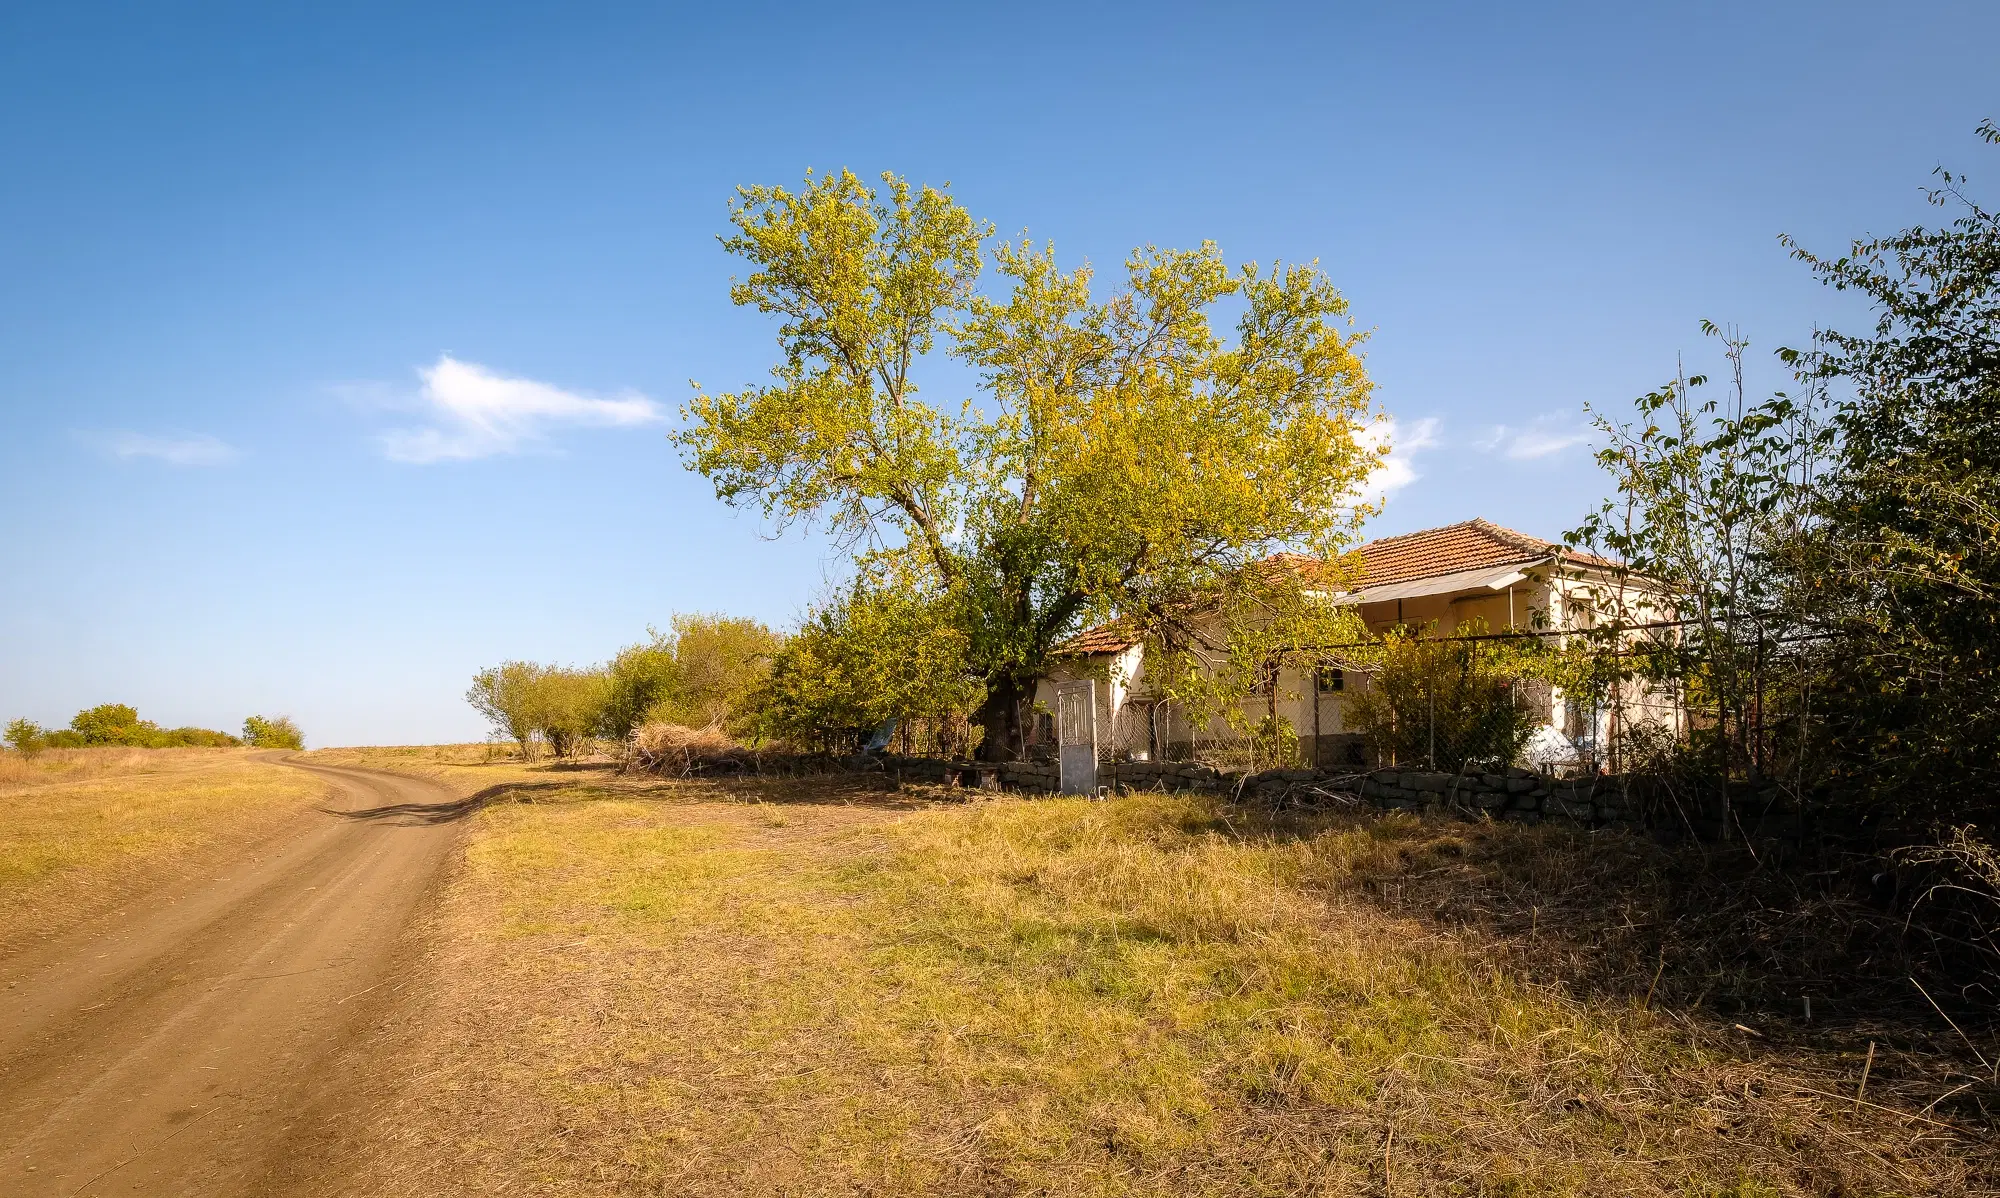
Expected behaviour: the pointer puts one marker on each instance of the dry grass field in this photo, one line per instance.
(86, 828)
(653, 987)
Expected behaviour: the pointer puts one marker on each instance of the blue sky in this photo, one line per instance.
(257, 263)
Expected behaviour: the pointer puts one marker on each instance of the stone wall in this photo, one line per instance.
(1517, 795)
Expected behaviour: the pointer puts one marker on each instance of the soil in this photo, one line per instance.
(220, 1037)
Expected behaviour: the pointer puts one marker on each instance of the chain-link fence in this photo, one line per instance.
(1161, 731)
(1439, 729)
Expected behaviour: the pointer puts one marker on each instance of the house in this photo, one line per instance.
(1443, 578)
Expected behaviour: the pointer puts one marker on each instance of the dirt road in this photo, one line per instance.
(207, 1040)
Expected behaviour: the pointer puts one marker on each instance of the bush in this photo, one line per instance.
(112, 724)
(720, 664)
(505, 695)
(205, 738)
(567, 706)
(119, 724)
(537, 704)
(267, 732)
(639, 679)
(25, 737)
(1451, 704)
(875, 654)
(709, 672)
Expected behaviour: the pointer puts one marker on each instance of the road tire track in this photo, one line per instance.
(201, 1042)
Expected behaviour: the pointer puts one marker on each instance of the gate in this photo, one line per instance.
(1076, 736)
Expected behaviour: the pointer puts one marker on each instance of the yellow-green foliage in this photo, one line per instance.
(876, 653)
(273, 732)
(113, 724)
(719, 663)
(538, 704)
(1446, 704)
(637, 680)
(706, 672)
(1129, 457)
(25, 737)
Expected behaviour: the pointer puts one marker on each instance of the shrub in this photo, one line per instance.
(1452, 704)
(720, 663)
(505, 695)
(567, 706)
(112, 724)
(639, 679)
(708, 672)
(873, 655)
(537, 704)
(206, 738)
(273, 732)
(25, 737)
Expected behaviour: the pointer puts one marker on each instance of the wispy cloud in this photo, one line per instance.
(197, 449)
(475, 413)
(1545, 435)
(1398, 469)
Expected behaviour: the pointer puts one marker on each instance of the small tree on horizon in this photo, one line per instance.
(273, 732)
(112, 724)
(25, 737)
(505, 695)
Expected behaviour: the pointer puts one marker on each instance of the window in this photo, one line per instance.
(1330, 680)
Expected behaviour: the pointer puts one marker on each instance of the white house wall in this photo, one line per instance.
(1541, 600)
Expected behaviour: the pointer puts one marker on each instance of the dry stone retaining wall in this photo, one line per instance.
(1517, 795)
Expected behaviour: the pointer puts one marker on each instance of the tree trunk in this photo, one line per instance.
(1000, 716)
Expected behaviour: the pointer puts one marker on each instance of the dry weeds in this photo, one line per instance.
(72, 765)
(685, 988)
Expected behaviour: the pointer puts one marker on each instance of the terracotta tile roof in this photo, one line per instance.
(1468, 545)
(1105, 638)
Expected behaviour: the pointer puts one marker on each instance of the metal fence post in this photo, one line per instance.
(1431, 709)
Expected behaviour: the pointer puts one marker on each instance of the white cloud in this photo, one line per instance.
(1398, 469)
(1545, 435)
(197, 449)
(475, 413)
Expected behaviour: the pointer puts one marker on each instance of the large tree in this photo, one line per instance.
(1119, 456)
(1904, 563)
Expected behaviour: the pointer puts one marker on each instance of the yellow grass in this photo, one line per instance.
(85, 828)
(683, 988)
